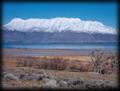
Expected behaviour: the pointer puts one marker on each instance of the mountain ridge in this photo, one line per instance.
(16, 37)
(59, 24)
(57, 30)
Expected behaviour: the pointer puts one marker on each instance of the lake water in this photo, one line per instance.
(74, 49)
(112, 46)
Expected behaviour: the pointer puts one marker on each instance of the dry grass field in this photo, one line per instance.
(64, 71)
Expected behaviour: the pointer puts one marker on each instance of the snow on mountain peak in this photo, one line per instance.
(57, 25)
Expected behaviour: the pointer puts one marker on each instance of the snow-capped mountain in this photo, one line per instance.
(58, 25)
(56, 30)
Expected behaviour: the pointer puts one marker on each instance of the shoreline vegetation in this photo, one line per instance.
(59, 68)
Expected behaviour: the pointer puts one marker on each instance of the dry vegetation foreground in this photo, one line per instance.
(97, 70)
(25, 77)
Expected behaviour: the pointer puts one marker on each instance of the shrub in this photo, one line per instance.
(102, 63)
(22, 62)
(114, 62)
(55, 64)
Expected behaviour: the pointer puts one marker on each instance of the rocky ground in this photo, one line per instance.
(24, 77)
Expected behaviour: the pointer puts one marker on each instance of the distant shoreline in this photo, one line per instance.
(49, 52)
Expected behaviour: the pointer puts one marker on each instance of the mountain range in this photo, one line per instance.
(56, 30)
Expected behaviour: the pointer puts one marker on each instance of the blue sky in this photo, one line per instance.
(103, 12)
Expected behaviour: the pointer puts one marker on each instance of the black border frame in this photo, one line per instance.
(65, 1)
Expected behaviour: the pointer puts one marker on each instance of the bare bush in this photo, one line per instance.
(55, 64)
(114, 62)
(102, 63)
(22, 62)
(30, 63)
(60, 63)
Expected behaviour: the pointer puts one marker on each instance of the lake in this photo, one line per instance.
(112, 46)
